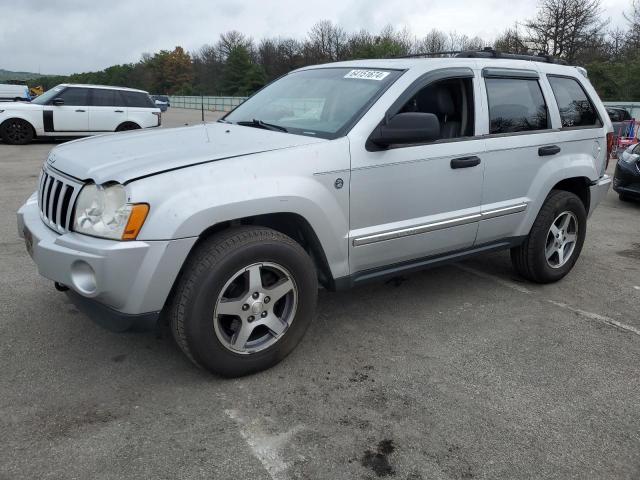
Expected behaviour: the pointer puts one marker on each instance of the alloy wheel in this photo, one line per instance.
(561, 239)
(255, 308)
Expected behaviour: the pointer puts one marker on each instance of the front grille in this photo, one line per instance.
(56, 195)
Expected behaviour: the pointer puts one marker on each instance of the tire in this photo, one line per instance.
(16, 131)
(213, 270)
(530, 259)
(126, 126)
(623, 197)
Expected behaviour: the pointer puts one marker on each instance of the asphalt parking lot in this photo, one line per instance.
(460, 372)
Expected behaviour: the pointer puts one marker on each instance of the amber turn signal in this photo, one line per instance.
(137, 217)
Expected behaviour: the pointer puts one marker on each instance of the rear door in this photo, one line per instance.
(520, 141)
(73, 115)
(107, 110)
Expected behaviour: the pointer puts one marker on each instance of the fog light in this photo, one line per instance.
(83, 277)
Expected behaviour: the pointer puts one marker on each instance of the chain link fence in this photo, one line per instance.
(212, 104)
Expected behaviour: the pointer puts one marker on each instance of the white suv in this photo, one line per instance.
(77, 110)
(335, 174)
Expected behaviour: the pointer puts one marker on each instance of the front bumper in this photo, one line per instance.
(599, 190)
(130, 280)
(626, 179)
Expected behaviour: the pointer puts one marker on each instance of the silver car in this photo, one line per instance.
(335, 175)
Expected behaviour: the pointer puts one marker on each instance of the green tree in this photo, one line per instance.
(240, 76)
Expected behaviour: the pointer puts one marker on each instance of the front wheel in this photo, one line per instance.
(244, 301)
(16, 131)
(554, 243)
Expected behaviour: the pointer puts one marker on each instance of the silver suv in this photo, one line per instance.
(335, 175)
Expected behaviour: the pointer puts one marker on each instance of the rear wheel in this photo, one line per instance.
(126, 126)
(16, 131)
(244, 301)
(554, 243)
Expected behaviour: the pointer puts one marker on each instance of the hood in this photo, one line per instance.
(19, 106)
(126, 156)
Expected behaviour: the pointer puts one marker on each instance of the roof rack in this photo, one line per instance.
(489, 52)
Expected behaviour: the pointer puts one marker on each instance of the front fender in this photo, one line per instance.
(299, 180)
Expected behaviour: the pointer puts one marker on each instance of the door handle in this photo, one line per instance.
(549, 150)
(465, 162)
(119, 111)
(80, 111)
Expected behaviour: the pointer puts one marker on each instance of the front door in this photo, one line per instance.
(73, 114)
(412, 202)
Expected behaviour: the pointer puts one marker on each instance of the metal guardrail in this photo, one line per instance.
(209, 103)
(632, 107)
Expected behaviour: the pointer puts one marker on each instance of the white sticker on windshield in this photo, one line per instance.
(367, 74)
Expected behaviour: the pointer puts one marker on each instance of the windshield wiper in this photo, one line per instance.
(261, 124)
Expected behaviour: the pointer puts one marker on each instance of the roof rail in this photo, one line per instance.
(489, 52)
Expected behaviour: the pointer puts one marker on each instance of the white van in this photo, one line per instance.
(14, 93)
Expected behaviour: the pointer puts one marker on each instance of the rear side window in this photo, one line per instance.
(576, 110)
(138, 100)
(102, 97)
(516, 105)
(75, 97)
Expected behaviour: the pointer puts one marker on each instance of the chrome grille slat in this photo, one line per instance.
(63, 190)
(56, 197)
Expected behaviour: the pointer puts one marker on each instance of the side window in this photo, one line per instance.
(636, 149)
(102, 97)
(576, 110)
(451, 101)
(138, 100)
(516, 105)
(75, 97)
(625, 115)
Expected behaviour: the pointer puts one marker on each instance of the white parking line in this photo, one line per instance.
(266, 447)
(514, 286)
(597, 317)
(495, 278)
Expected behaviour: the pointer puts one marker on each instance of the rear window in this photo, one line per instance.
(576, 110)
(137, 100)
(102, 97)
(516, 105)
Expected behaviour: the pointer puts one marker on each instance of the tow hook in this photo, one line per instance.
(60, 287)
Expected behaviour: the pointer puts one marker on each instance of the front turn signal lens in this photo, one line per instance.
(137, 217)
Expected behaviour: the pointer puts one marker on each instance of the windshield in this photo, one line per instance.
(320, 102)
(48, 95)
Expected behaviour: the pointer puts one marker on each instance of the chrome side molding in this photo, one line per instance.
(430, 227)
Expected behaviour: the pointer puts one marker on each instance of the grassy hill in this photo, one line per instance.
(9, 75)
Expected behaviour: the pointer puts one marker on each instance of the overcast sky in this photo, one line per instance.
(67, 36)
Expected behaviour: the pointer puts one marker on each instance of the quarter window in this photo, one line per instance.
(75, 97)
(576, 110)
(138, 100)
(516, 105)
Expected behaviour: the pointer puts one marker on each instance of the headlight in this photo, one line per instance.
(103, 211)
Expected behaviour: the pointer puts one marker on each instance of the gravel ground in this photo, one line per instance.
(463, 371)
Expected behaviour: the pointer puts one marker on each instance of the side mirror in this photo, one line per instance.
(58, 101)
(406, 128)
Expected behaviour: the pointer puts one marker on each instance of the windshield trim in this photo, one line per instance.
(348, 126)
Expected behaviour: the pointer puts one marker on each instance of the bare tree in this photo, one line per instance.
(327, 42)
(434, 41)
(633, 17)
(511, 41)
(563, 28)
